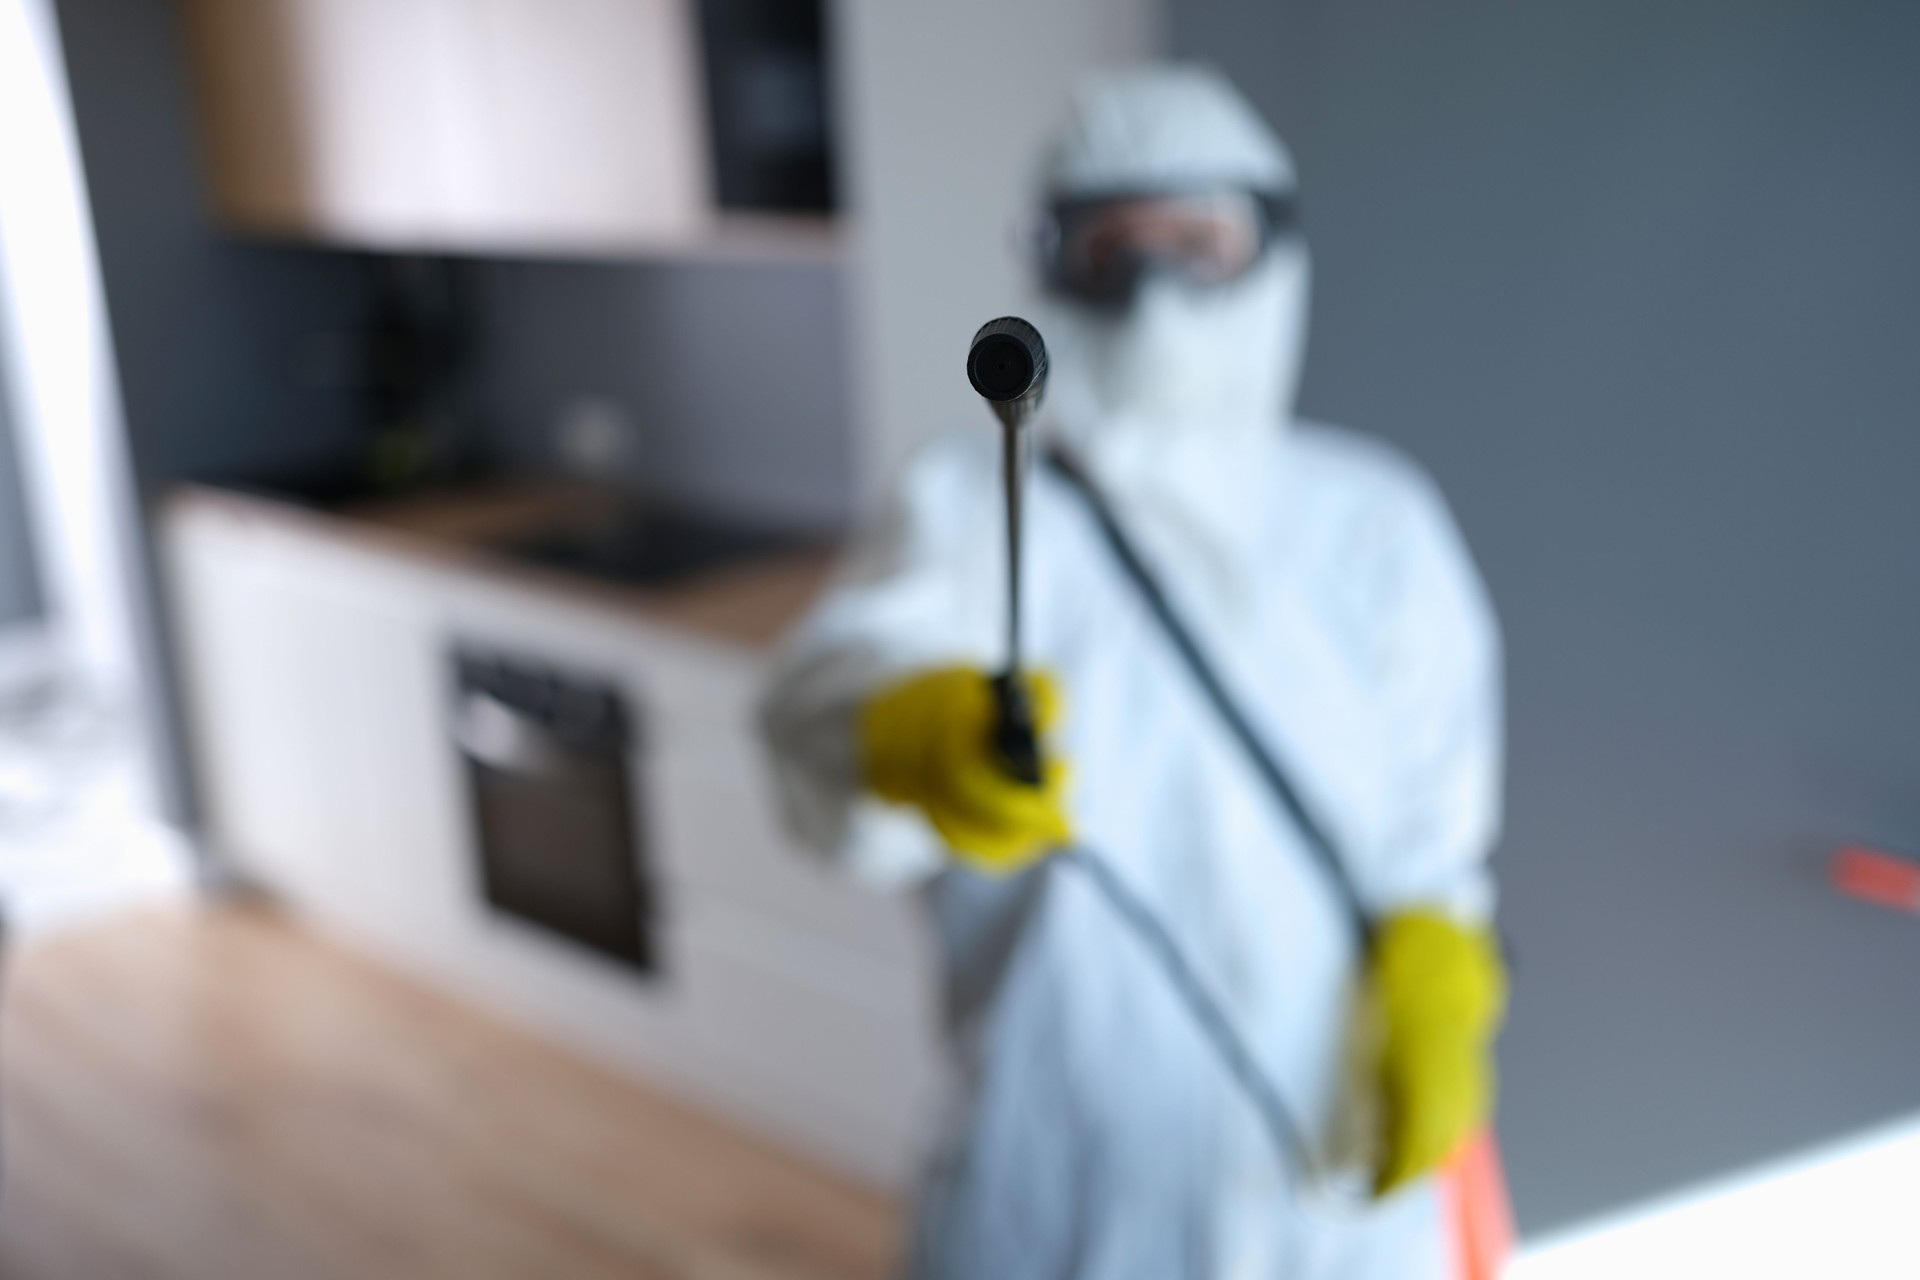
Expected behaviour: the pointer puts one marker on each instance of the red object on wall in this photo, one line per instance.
(1876, 877)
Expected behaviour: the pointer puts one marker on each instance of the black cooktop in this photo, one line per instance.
(625, 539)
(653, 546)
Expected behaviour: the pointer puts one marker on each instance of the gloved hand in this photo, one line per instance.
(1440, 991)
(927, 741)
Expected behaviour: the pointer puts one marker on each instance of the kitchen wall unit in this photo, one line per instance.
(465, 125)
(320, 686)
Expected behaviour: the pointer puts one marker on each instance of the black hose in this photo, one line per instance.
(1317, 839)
(1259, 1089)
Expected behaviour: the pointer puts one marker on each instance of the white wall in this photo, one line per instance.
(63, 393)
(943, 110)
(63, 397)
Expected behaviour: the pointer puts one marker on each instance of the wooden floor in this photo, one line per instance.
(211, 1093)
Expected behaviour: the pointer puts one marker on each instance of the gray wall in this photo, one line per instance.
(1640, 281)
(217, 339)
(19, 579)
(732, 375)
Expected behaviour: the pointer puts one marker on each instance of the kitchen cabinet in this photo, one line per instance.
(463, 125)
(319, 681)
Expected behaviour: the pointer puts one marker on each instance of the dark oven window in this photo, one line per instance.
(558, 825)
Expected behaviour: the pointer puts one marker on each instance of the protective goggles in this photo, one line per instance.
(1097, 249)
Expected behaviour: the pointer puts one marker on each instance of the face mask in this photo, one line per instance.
(1186, 358)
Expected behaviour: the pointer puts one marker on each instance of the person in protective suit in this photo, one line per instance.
(1167, 1006)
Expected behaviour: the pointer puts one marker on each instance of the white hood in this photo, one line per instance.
(1180, 402)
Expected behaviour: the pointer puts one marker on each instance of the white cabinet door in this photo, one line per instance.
(338, 118)
(317, 701)
(239, 646)
(453, 123)
(594, 128)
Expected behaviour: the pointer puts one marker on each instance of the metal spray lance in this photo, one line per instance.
(1007, 365)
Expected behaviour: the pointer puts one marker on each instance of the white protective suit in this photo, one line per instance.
(1097, 1132)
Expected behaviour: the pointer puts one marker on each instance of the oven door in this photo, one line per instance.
(549, 761)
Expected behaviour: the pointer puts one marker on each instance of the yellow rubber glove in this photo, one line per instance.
(1440, 990)
(926, 741)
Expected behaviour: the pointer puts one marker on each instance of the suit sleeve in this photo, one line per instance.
(1448, 766)
(906, 598)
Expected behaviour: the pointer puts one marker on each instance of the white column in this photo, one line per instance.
(943, 110)
(57, 358)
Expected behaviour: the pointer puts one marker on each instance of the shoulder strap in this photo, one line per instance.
(1318, 841)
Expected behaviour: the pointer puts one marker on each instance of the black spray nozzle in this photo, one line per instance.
(1007, 364)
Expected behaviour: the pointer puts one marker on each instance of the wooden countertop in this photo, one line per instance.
(751, 603)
